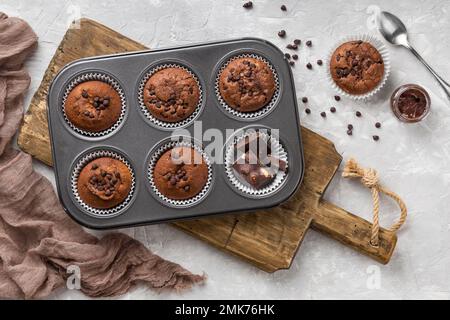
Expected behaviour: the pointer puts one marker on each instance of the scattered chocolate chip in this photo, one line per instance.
(283, 8)
(349, 132)
(289, 46)
(337, 98)
(287, 55)
(187, 188)
(350, 127)
(294, 56)
(304, 99)
(107, 193)
(308, 111)
(358, 114)
(333, 109)
(319, 62)
(84, 94)
(378, 125)
(294, 47)
(309, 65)
(248, 5)
(376, 138)
(297, 41)
(292, 63)
(103, 173)
(94, 166)
(323, 114)
(282, 33)
(86, 113)
(96, 99)
(309, 43)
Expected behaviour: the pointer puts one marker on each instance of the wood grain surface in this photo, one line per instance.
(268, 239)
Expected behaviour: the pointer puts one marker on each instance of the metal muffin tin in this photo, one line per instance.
(136, 138)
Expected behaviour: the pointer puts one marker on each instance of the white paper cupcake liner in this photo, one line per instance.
(248, 115)
(101, 213)
(90, 77)
(374, 41)
(179, 203)
(164, 124)
(245, 188)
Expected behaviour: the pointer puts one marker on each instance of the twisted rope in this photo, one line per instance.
(369, 178)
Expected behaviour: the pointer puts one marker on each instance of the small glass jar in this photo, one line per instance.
(410, 103)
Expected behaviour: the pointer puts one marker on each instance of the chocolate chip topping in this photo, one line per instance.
(102, 183)
(282, 33)
(247, 84)
(171, 94)
(180, 173)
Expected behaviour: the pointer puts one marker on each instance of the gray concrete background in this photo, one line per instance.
(411, 159)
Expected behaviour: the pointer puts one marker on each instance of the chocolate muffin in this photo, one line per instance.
(247, 84)
(93, 106)
(180, 173)
(171, 94)
(104, 183)
(357, 67)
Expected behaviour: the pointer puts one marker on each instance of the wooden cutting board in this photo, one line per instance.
(268, 239)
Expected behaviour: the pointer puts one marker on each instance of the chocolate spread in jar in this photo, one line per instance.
(410, 103)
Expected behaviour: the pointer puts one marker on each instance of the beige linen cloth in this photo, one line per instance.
(38, 241)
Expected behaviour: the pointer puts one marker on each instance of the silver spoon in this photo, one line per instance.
(394, 31)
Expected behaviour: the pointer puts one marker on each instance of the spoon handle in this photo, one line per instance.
(444, 84)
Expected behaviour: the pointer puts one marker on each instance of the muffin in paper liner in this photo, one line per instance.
(101, 213)
(381, 48)
(248, 115)
(155, 121)
(179, 203)
(98, 76)
(245, 188)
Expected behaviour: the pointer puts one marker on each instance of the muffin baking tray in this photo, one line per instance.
(137, 139)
